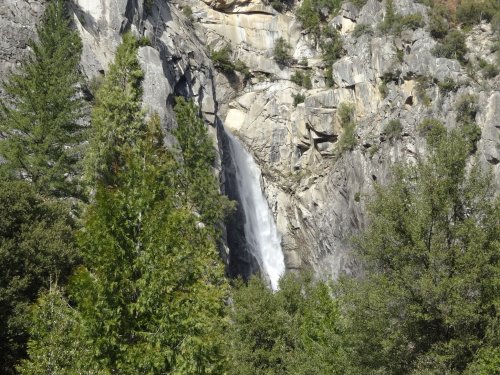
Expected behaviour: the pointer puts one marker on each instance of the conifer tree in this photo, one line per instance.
(429, 303)
(42, 114)
(36, 245)
(150, 296)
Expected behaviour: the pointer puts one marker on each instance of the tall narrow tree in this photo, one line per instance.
(40, 119)
(150, 296)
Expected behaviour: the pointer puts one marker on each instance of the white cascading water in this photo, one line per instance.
(260, 230)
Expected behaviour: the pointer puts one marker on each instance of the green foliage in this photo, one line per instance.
(394, 23)
(329, 81)
(359, 3)
(281, 5)
(198, 153)
(489, 70)
(452, 47)
(292, 331)
(149, 298)
(348, 139)
(117, 119)
(466, 108)
(241, 67)
(433, 131)
(393, 129)
(281, 52)
(222, 59)
(188, 12)
(36, 245)
(312, 13)
(448, 85)
(471, 12)
(41, 115)
(57, 341)
(438, 24)
(423, 84)
(362, 29)
(428, 301)
(298, 98)
(301, 79)
(331, 45)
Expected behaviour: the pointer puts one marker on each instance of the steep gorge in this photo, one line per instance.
(316, 192)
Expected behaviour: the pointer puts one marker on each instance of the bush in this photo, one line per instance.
(241, 67)
(411, 21)
(348, 139)
(302, 79)
(471, 12)
(452, 47)
(362, 29)
(222, 59)
(448, 85)
(423, 83)
(466, 108)
(329, 77)
(393, 129)
(438, 25)
(489, 70)
(297, 99)
(433, 130)
(281, 52)
(331, 46)
(312, 12)
(188, 12)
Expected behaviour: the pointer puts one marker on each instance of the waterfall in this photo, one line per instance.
(260, 230)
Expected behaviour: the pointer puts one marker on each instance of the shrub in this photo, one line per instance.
(411, 21)
(448, 85)
(438, 25)
(241, 67)
(312, 12)
(489, 70)
(331, 46)
(298, 98)
(348, 140)
(452, 47)
(281, 52)
(466, 108)
(222, 59)
(393, 129)
(423, 83)
(329, 77)
(471, 12)
(362, 29)
(433, 130)
(188, 12)
(302, 79)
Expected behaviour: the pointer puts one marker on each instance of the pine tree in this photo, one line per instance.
(295, 330)
(150, 296)
(42, 114)
(36, 245)
(429, 302)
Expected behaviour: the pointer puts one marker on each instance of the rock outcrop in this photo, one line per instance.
(317, 192)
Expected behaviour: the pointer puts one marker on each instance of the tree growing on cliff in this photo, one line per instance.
(40, 117)
(429, 302)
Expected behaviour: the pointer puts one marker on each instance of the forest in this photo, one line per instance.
(109, 245)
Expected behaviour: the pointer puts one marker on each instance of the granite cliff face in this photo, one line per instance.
(316, 192)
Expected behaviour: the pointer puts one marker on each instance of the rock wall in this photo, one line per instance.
(318, 194)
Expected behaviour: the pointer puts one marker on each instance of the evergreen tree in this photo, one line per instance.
(42, 114)
(36, 245)
(429, 303)
(292, 331)
(57, 344)
(198, 154)
(150, 296)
